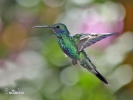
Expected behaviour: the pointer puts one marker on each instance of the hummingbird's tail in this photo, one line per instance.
(86, 63)
(98, 75)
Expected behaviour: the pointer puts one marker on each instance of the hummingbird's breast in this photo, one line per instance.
(68, 47)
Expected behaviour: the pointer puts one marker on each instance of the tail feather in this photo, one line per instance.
(90, 67)
(100, 77)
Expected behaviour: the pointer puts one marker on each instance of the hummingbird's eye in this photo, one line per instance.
(57, 26)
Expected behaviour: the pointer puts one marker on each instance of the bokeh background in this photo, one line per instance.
(32, 62)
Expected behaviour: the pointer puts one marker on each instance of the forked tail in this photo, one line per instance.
(97, 74)
(86, 63)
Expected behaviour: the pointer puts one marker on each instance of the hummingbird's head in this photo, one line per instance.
(59, 28)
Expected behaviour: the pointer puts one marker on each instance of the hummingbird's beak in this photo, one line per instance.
(41, 27)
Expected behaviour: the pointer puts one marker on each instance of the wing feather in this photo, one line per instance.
(84, 40)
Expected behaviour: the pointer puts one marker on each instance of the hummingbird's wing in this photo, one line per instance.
(84, 40)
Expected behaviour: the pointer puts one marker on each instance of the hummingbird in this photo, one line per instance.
(73, 46)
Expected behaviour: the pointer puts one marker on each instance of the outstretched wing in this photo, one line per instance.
(84, 40)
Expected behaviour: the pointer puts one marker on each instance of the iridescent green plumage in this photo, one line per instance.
(73, 46)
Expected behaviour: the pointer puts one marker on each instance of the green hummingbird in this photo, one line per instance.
(73, 46)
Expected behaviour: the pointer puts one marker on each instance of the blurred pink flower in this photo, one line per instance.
(91, 25)
(106, 18)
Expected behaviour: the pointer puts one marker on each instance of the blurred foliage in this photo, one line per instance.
(32, 62)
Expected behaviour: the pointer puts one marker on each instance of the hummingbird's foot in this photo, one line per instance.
(74, 62)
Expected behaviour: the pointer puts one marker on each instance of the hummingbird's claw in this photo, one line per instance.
(74, 62)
